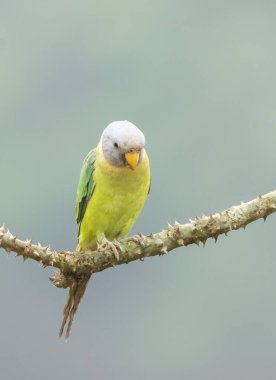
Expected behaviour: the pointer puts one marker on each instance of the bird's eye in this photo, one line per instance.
(116, 145)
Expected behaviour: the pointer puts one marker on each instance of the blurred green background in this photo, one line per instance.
(198, 77)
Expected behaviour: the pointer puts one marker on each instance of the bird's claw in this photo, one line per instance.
(114, 245)
(140, 239)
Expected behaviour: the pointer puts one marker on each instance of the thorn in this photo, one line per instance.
(191, 221)
(170, 226)
(176, 223)
(14, 239)
(164, 250)
(216, 238)
(28, 243)
(265, 218)
(226, 233)
(3, 228)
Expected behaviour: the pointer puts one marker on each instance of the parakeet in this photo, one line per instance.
(113, 186)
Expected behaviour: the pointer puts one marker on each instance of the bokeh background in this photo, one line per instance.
(198, 77)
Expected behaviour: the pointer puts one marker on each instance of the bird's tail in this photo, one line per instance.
(75, 295)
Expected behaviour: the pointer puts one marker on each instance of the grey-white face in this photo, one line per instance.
(121, 140)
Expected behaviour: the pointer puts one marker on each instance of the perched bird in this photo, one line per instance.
(113, 186)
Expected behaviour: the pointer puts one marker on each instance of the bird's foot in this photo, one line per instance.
(140, 239)
(114, 245)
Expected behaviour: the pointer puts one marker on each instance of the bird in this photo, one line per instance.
(113, 186)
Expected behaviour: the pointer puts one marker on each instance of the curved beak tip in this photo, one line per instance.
(132, 159)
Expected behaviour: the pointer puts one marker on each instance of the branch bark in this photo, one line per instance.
(75, 265)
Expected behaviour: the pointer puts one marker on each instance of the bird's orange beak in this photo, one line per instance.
(132, 159)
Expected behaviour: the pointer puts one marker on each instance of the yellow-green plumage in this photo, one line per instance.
(111, 193)
(116, 202)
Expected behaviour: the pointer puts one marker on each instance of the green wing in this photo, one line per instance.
(86, 185)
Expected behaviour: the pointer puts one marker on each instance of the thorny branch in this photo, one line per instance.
(75, 265)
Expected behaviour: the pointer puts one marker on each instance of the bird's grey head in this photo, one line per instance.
(123, 144)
